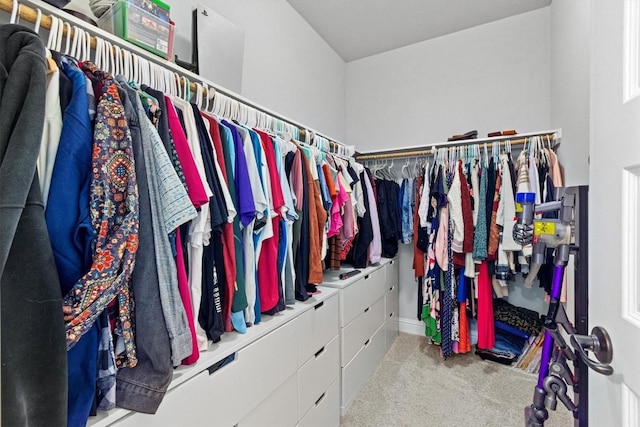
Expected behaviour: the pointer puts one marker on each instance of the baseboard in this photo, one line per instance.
(411, 326)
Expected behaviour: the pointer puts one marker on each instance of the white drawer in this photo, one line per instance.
(183, 405)
(356, 333)
(315, 377)
(358, 372)
(326, 410)
(392, 272)
(317, 327)
(362, 294)
(233, 389)
(391, 326)
(392, 300)
(276, 410)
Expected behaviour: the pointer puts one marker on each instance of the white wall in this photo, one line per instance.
(288, 67)
(491, 77)
(570, 64)
(570, 93)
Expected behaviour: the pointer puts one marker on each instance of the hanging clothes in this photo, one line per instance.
(38, 393)
(154, 369)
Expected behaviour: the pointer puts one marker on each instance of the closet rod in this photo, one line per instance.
(519, 139)
(29, 13)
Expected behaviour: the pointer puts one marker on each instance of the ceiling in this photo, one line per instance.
(359, 28)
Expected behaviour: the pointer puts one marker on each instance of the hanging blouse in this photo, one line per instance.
(114, 215)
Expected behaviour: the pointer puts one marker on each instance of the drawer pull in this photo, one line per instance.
(221, 363)
(366, 277)
(320, 398)
(366, 343)
(392, 262)
(319, 352)
(391, 314)
(318, 305)
(366, 309)
(391, 289)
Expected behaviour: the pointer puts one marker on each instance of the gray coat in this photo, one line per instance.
(33, 348)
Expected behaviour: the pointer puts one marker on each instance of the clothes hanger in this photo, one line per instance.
(74, 42)
(204, 102)
(198, 94)
(59, 36)
(235, 110)
(173, 82)
(15, 11)
(52, 30)
(111, 54)
(36, 27)
(77, 45)
(68, 40)
(18, 14)
(87, 46)
(126, 64)
(160, 82)
(167, 77)
(153, 77)
(178, 85)
(97, 59)
(118, 63)
(215, 107)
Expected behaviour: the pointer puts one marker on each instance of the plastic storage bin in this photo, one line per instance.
(149, 28)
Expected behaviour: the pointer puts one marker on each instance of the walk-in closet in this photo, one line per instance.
(291, 213)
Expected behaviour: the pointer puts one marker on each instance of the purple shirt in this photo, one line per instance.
(246, 204)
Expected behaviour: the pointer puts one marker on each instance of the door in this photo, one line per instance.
(614, 211)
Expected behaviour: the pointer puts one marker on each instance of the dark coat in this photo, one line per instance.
(33, 348)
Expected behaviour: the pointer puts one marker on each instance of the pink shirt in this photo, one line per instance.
(185, 296)
(195, 188)
(336, 210)
(375, 247)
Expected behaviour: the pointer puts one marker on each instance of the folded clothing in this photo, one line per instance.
(510, 329)
(508, 343)
(523, 319)
(504, 358)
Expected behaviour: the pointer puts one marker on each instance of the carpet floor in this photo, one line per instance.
(414, 387)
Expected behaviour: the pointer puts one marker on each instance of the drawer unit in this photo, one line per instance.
(362, 294)
(356, 333)
(360, 369)
(315, 376)
(391, 326)
(392, 304)
(391, 315)
(276, 410)
(392, 272)
(185, 405)
(233, 389)
(317, 327)
(282, 370)
(325, 411)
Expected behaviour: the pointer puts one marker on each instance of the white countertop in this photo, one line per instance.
(332, 277)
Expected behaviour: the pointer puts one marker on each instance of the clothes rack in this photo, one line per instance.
(553, 136)
(30, 14)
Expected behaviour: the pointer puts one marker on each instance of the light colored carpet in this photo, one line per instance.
(414, 387)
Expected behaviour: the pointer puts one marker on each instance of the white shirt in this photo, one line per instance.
(50, 133)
